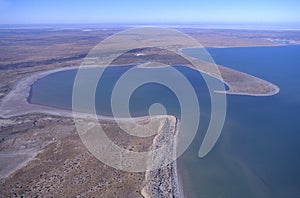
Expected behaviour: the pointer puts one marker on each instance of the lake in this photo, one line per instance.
(258, 153)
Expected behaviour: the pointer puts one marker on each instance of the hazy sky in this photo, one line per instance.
(148, 11)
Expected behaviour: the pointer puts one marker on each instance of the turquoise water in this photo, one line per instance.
(258, 153)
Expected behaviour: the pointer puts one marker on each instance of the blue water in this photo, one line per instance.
(55, 90)
(258, 153)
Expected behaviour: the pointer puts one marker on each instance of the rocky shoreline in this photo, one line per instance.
(164, 182)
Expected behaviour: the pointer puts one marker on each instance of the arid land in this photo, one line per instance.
(41, 154)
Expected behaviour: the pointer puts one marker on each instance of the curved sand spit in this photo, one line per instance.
(156, 182)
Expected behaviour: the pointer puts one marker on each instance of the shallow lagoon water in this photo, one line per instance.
(55, 90)
(258, 153)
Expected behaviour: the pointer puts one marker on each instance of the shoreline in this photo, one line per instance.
(23, 157)
(248, 86)
(19, 99)
(16, 103)
(166, 180)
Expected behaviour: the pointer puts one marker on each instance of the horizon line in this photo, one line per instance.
(200, 25)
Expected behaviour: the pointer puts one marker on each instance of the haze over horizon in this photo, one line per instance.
(155, 11)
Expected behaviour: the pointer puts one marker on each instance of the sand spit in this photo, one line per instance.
(164, 181)
(159, 183)
(244, 84)
(16, 103)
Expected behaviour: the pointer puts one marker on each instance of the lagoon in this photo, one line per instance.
(258, 153)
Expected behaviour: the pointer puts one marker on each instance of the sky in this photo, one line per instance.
(148, 11)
